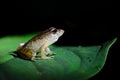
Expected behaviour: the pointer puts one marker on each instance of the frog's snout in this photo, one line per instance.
(61, 31)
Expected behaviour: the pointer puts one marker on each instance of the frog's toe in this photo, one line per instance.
(50, 54)
(47, 57)
(53, 53)
(35, 59)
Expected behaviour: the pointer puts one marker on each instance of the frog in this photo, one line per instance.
(39, 44)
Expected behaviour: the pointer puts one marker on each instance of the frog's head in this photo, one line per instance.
(56, 32)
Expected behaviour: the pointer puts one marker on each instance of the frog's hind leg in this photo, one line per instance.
(31, 54)
(34, 57)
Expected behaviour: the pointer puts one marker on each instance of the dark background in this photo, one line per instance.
(85, 23)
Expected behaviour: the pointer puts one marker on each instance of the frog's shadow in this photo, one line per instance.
(15, 54)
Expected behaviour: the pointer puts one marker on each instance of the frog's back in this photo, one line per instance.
(36, 42)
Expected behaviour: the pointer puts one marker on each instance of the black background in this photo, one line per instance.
(84, 22)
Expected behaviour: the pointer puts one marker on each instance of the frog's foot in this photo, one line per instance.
(51, 57)
(51, 54)
(35, 58)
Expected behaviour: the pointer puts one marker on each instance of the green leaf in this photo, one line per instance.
(70, 62)
(92, 59)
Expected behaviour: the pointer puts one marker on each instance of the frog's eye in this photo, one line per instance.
(54, 31)
(52, 28)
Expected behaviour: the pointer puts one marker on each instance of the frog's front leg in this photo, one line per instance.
(43, 52)
(49, 52)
